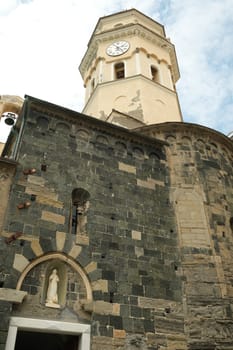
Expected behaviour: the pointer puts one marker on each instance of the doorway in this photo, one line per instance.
(30, 333)
(47, 341)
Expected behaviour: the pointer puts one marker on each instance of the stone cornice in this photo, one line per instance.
(188, 129)
(126, 80)
(85, 121)
(125, 14)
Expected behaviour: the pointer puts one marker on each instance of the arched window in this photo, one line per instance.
(154, 74)
(80, 205)
(92, 84)
(231, 224)
(119, 70)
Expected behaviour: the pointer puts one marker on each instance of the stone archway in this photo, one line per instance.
(66, 326)
(60, 257)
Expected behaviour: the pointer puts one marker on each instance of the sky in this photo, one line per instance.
(43, 42)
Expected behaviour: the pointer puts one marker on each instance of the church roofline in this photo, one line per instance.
(121, 13)
(93, 122)
(173, 127)
(124, 114)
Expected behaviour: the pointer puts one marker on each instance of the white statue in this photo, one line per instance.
(52, 297)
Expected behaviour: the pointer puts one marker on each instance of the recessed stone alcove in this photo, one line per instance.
(61, 269)
(72, 287)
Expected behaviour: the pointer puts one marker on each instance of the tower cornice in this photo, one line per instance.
(127, 31)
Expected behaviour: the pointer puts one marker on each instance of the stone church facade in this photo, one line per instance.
(116, 230)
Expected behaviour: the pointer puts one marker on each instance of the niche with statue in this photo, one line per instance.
(53, 285)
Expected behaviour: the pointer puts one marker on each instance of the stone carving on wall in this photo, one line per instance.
(52, 292)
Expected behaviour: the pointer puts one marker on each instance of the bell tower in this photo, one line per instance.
(129, 71)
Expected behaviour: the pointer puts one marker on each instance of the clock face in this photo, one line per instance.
(117, 48)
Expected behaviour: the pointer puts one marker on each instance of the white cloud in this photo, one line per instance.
(6, 6)
(45, 40)
(202, 31)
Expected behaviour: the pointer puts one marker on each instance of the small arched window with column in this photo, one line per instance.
(119, 70)
(80, 205)
(231, 224)
(92, 84)
(154, 74)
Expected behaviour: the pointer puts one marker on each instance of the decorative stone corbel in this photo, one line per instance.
(12, 295)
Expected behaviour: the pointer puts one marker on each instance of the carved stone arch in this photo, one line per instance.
(62, 127)
(201, 146)
(80, 197)
(83, 134)
(102, 139)
(214, 150)
(42, 122)
(57, 258)
(142, 49)
(186, 140)
(121, 103)
(171, 139)
(154, 157)
(120, 149)
(138, 153)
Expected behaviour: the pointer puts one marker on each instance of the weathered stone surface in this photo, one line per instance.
(156, 256)
(36, 247)
(60, 240)
(102, 307)
(49, 216)
(127, 168)
(36, 180)
(136, 235)
(119, 333)
(91, 267)
(20, 262)
(82, 239)
(101, 285)
(75, 251)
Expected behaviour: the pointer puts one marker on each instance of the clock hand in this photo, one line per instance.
(118, 47)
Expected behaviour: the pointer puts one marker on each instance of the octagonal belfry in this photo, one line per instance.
(130, 67)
